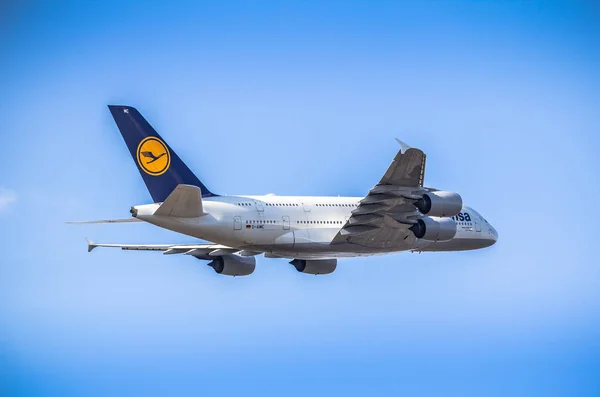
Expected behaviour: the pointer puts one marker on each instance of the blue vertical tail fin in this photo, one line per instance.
(160, 167)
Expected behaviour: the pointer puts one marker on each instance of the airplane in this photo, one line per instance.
(398, 214)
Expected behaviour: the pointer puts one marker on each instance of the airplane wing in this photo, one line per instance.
(383, 217)
(202, 251)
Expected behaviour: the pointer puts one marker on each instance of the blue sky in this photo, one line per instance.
(301, 99)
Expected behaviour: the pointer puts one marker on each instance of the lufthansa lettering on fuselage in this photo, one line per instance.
(462, 217)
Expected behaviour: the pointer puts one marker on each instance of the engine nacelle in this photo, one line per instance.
(234, 265)
(440, 204)
(319, 266)
(434, 229)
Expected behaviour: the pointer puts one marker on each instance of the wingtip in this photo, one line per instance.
(403, 146)
(91, 244)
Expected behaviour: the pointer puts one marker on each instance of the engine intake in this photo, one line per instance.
(439, 203)
(319, 266)
(234, 265)
(434, 229)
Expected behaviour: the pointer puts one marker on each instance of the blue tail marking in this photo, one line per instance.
(159, 166)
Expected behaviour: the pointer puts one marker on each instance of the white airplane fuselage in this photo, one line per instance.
(303, 227)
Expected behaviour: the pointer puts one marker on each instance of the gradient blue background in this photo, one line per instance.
(301, 98)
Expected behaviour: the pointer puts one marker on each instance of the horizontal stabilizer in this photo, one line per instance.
(126, 220)
(184, 202)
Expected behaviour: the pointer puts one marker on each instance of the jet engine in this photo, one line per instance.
(320, 266)
(434, 229)
(234, 265)
(439, 203)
